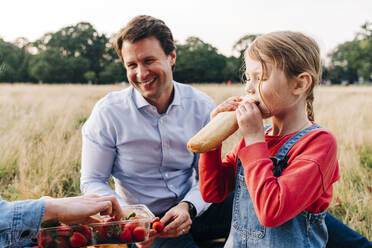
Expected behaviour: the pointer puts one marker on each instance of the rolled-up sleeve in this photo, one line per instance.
(19, 221)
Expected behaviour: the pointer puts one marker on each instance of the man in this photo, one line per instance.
(20, 220)
(139, 135)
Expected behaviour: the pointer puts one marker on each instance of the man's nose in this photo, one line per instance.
(142, 73)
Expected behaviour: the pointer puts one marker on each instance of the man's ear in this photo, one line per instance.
(173, 56)
(302, 83)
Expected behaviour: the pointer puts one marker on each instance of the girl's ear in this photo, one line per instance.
(302, 83)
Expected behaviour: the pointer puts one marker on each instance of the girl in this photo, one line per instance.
(283, 175)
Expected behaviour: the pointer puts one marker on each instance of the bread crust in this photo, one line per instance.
(214, 133)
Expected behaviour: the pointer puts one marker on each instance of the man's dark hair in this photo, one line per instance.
(141, 27)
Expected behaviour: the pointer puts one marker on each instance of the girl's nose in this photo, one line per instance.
(249, 89)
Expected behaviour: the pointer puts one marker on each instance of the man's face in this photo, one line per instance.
(149, 69)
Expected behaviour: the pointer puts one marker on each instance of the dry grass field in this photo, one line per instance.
(40, 137)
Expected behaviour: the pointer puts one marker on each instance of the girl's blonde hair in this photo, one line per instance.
(293, 53)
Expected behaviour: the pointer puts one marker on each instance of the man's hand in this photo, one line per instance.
(178, 221)
(77, 210)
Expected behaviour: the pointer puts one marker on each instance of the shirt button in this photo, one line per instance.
(161, 121)
(166, 174)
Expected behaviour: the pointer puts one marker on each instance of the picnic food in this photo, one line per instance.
(215, 132)
(157, 225)
(134, 227)
(63, 236)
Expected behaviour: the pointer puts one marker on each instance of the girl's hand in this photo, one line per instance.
(250, 122)
(231, 104)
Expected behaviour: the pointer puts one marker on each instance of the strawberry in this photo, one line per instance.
(126, 236)
(100, 233)
(84, 229)
(61, 242)
(63, 230)
(77, 240)
(44, 239)
(139, 233)
(131, 225)
(158, 226)
(156, 219)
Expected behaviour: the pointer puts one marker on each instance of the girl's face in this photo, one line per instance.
(275, 98)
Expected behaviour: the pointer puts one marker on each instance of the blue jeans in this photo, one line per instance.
(340, 235)
(212, 224)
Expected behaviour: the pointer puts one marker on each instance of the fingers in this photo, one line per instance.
(230, 104)
(184, 228)
(105, 205)
(182, 220)
(167, 217)
(249, 106)
(116, 208)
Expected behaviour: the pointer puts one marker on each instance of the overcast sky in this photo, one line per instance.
(219, 23)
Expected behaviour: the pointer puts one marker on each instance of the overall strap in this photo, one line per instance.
(282, 153)
(280, 160)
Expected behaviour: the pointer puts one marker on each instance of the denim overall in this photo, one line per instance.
(304, 230)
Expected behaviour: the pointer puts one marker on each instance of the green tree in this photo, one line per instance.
(52, 67)
(353, 59)
(198, 61)
(240, 46)
(243, 43)
(113, 73)
(13, 62)
(90, 76)
(82, 45)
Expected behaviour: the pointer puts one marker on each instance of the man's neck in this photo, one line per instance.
(163, 104)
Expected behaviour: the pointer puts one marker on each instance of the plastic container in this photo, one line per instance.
(65, 236)
(103, 233)
(135, 229)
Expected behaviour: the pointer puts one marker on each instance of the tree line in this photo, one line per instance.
(80, 54)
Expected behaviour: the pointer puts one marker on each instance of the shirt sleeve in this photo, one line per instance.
(98, 155)
(311, 170)
(194, 195)
(217, 176)
(20, 220)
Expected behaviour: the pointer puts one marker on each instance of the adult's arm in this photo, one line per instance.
(194, 195)
(20, 220)
(98, 155)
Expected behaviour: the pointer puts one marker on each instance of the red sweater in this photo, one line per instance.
(305, 184)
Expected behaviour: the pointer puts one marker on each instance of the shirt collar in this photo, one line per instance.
(141, 102)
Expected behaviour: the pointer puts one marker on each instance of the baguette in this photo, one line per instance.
(216, 131)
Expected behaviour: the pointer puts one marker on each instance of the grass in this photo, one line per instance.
(40, 137)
